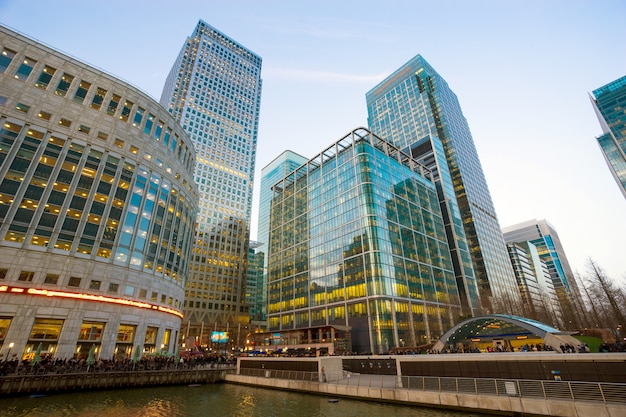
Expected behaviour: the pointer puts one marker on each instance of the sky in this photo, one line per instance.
(522, 71)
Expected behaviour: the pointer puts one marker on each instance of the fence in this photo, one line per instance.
(607, 393)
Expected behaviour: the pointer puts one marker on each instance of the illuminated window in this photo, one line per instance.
(84, 129)
(91, 331)
(25, 68)
(115, 101)
(119, 142)
(94, 284)
(103, 136)
(22, 107)
(65, 122)
(45, 77)
(5, 59)
(128, 105)
(126, 333)
(96, 103)
(81, 92)
(44, 115)
(64, 85)
(26, 276)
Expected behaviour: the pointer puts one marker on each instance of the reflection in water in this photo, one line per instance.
(211, 400)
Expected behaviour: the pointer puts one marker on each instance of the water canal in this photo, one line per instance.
(211, 400)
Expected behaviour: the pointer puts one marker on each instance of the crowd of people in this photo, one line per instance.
(73, 365)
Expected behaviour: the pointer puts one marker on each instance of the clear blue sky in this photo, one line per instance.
(522, 71)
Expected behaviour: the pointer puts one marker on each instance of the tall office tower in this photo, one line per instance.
(415, 110)
(358, 251)
(545, 238)
(540, 301)
(97, 210)
(609, 103)
(273, 172)
(254, 283)
(214, 91)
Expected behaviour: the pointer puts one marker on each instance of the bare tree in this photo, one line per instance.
(607, 293)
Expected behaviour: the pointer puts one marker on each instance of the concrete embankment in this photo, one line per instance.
(497, 405)
(16, 385)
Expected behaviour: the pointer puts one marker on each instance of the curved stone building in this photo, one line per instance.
(97, 210)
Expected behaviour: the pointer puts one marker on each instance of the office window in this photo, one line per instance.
(96, 103)
(65, 122)
(103, 136)
(26, 276)
(112, 108)
(74, 282)
(51, 279)
(138, 117)
(22, 107)
(81, 92)
(3, 273)
(84, 129)
(64, 84)
(128, 105)
(129, 290)
(119, 142)
(25, 68)
(94, 284)
(5, 59)
(113, 287)
(44, 115)
(45, 77)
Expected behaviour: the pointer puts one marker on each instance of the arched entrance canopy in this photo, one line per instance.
(505, 327)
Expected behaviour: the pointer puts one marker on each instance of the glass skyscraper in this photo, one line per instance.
(609, 103)
(415, 110)
(358, 245)
(214, 91)
(273, 172)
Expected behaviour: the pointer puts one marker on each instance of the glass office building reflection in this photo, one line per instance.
(357, 241)
(97, 209)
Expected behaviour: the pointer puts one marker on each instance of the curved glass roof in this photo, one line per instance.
(496, 326)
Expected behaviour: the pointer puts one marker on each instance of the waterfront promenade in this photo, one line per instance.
(382, 380)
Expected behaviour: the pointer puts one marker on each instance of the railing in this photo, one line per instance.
(608, 393)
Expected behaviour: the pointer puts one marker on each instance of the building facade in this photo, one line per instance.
(540, 301)
(544, 237)
(97, 210)
(273, 172)
(358, 251)
(415, 109)
(609, 102)
(214, 91)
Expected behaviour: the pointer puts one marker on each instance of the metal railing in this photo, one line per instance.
(603, 392)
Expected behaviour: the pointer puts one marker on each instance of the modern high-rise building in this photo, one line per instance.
(609, 103)
(550, 249)
(415, 109)
(97, 210)
(273, 172)
(254, 284)
(358, 252)
(214, 91)
(540, 301)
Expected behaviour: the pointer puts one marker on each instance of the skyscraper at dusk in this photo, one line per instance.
(358, 252)
(609, 102)
(415, 109)
(273, 172)
(214, 91)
